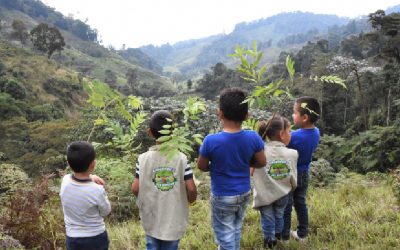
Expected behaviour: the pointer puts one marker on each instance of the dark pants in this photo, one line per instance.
(98, 242)
(297, 198)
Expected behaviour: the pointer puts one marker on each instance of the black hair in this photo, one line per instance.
(232, 106)
(272, 127)
(309, 106)
(158, 120)
(80, 155)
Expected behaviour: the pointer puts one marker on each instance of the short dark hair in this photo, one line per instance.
(80, 155)
(232, 106)
(272, 127)
(309, 106)
(158, 120)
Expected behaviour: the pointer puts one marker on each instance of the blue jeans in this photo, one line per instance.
(272, 218)
(297, 198)
(98, 242)
(227, 217)
(156, 244)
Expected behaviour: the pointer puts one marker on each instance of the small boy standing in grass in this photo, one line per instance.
(84, 202)
(276, 180)
(227, 156)
(164, 188)
(305, 140)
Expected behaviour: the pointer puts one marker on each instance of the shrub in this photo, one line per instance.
(45, 112)
(322, 173)
(15, 89)
(9, 107)
(12, 177)
(119, 176)
(32, 219)
(395, 182)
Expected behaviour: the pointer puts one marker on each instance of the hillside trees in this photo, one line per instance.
(47, 39)
(20, 31)
(220, 77)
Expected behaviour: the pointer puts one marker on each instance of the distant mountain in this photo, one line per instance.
(392, 9)
(194, 56)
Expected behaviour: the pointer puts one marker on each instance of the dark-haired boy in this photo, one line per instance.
(305, 140)
(227, 156)
(84, 202)
(164, 188)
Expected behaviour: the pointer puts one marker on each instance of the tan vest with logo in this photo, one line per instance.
(278, 177)
(162, 199)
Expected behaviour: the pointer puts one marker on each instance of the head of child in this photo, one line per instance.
(306, 111)
(157, 121)
(275, 129)
(81, 157)
(231, 106)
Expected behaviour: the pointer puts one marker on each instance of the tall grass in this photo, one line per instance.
(357, 213)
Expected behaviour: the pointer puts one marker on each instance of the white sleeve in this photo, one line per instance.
(104, 204)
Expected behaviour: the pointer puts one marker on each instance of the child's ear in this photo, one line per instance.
(220, 114)
(92, 165)
(149, 133)
(306, 118)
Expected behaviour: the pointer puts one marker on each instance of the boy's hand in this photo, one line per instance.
(97, 180)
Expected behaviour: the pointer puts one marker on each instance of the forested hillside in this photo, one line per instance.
(83, 52)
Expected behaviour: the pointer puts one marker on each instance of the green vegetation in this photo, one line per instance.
(355, 212)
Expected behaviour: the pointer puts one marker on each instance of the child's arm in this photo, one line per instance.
(104, 204)
(252, 171)
(135, 187)
(203, 163)
(260, 159)
(191, 190)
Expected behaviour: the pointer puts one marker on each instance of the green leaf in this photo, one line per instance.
(165, 132)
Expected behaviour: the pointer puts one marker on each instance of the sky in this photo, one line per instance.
(141, 22)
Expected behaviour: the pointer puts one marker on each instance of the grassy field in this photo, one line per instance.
(357, 212)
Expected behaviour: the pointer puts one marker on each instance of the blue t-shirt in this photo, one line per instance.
(230, 155)
(305, 141)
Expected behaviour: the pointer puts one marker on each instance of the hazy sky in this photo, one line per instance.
(140, 22)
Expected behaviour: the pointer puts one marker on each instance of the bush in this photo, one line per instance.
(14, 88)
(322, 174)
(9, 107)
(119, 176)
(12, 178)
(377, 149)
(33, 217)
(45, 112)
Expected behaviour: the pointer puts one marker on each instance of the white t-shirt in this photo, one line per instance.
(84, 204)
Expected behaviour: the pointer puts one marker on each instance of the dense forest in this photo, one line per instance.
(70, 87)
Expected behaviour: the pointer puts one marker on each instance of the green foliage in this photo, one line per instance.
(9, 107)
(47, 39)
(322, 174)
(119, 175)
(107, 102)
(45, 112)
(179, 139)
(262, 96)
(13, 88)
(12, 178)
(376, 149)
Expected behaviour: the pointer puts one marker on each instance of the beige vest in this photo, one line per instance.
(278, 177)
(162, 199)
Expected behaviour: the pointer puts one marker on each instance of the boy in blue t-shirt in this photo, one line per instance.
(227, 156)
(305, 140)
